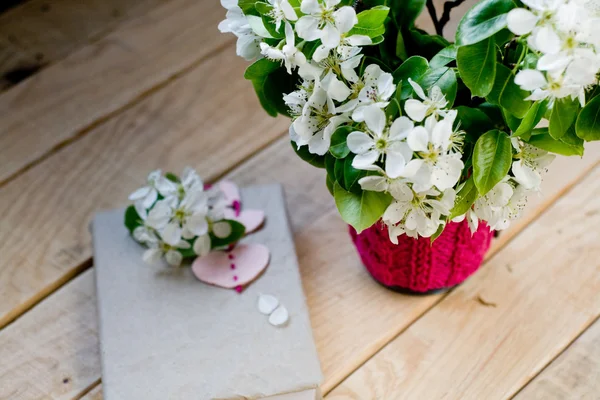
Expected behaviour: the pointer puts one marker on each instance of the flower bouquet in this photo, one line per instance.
(428, 145)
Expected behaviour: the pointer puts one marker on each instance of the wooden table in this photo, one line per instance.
(121, 89)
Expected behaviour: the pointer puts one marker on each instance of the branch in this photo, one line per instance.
(433, 15)
(448, 6)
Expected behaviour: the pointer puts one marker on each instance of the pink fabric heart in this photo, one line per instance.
(229, 269)
(251, 219)
(231, 192)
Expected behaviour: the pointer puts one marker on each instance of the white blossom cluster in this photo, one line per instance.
(565, 34)
(178, 216)
(417, 158)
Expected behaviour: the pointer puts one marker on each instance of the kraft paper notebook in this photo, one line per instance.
(166, 335)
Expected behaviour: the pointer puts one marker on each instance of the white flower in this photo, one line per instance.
(436, 165)
(379, 142)
(247, 45)
(324, 22)
(282, 11)
(492, 207)
(202, 245)
(289, 54)
(170, 251)
(335, 88)
(378, 88)
(531, 161)
(320, 118)
(146, 196)
(417, 214)
(430, 105)
(175, 219)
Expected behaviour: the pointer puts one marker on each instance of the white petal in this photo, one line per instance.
(526, 176)
(279, 317)
(521, 21)
(152, 256)
(166, 187)
(547, 40)
(307, 27)
(288, 10)
(174, 258)
(310, 6)
(418, 89)
(141, 210)
(401, 128)
(440, 136)
(337, 90)
(222, 229)
(197, 224)
(247, 47)
(394, 164)
(345, 18)
(140, 193)
(447, 172)
(330, 36)
(150, 199)
(375, 119)
(373, 183)
(359, 142)
(267, 303)
(553, 62)
(171, 234)
(321, 53)
(359, 40)
(202, 245)
(530, 79)
(415, 109)
(365, 160)
(418, 139)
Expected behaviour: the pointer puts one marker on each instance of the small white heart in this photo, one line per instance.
(279, 317)
(267, 303)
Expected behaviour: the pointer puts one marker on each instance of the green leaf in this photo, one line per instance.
(339, 147)
(405, 12)
(465, 198)
(330, 166)
(444, 57)
(237, 231)
(400, 47)
(419, 42)
(568, 147)
(512, 121)
(437, 233)
(258, 26)
(352, 175)
(564, 113)
(531, 119)
(258, 73)
(361, 210)
(415, 67)
(370, 22)
(474, 122)
(329, 183)
(313, 159)
(492, 159)
(444, 78)
(588, 122)
(338, 171)
(132, 219)
(506, 93)
(172, 177)
(477, 66)
(393, 109)
(483, 20)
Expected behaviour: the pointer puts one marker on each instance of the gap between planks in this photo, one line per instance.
(498, 244)
(102, 120)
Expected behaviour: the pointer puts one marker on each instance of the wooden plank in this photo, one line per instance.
(68, 98)
(341, 296)
(575, 374)
(488, 337)
(94, 394)
(39, 32)
(192, 121)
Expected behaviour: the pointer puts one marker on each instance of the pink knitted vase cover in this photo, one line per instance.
(416, 265)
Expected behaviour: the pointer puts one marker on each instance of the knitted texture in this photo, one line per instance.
(415, 264)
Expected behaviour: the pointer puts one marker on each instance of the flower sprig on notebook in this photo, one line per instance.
(180, 218)
(416, 131)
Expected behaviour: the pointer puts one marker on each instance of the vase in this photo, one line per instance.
(415, 265)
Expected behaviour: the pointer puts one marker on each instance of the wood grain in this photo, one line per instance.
(37, 33)
(575, 374)
(341, 295)
(541, 292)
(44, 236)
(68, 98)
